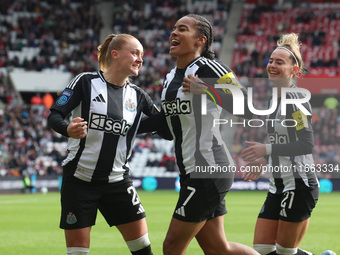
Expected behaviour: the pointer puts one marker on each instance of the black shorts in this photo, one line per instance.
(201, 199)
(292, 206)
(118, 203)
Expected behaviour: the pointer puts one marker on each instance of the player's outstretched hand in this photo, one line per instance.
(194, 85)
(253, 151)
(253, 170)
(77, 128)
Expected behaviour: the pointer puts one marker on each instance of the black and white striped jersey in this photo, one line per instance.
(292, 142)
(113, 114)
(197, 142)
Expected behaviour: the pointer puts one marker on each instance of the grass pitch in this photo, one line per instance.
(29, 223)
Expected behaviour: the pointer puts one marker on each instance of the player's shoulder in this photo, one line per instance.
(133, 86)
(142, 95)
(295, 92)
(213, 67)
(89, 75)
(84, 76)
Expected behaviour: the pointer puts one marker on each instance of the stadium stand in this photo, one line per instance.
(36, 36)
(63, 35)
(260, 26)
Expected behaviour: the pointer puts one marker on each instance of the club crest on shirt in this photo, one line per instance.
(71, 218)
(130, 105)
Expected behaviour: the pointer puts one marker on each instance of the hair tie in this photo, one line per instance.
(291, 53)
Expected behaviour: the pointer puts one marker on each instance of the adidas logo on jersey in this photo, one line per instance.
(99, 98)
(180, 211)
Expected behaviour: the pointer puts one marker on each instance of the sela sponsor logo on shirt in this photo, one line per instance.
(176, 107)
(102, 122)
(275, 138)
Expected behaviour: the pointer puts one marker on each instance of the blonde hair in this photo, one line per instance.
(112, 42)
(291, 42)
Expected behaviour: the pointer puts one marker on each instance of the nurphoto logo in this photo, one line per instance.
(238, 100)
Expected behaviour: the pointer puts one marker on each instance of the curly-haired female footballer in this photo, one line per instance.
(198, 144)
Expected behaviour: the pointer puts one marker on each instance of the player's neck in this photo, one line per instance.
(116, 79)
(282, 83)
(183, 61)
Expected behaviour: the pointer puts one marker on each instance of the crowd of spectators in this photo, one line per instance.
(152, 21)
(26, 142)
(66, 34)
(37, 35)
(58, 34)
(261, 26)
(320, 40)
(166, 159)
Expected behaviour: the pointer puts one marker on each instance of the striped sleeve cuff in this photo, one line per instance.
(268, 149)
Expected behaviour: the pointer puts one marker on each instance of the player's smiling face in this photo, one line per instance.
(184, 39)
(131, 57)
(280, 67)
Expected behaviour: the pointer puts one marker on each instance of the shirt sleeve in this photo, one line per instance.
(149, 108)
(304, 133)
(155, 120)
(155, 123)
(69, 99)
(57, 123)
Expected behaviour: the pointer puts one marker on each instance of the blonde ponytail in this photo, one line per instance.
(291, 42)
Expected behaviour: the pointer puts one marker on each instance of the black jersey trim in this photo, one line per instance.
(192, 63)
(219, 66)
(75, 80)
(101, 76)
(216, 67)
(293, 95)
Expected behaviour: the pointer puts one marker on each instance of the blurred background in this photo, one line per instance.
(44, 44)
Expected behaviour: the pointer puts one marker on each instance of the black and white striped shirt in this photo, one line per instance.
(197, 142)
(292, 146)
(113, 114)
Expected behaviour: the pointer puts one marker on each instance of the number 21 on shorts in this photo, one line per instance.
(287, 202)
(135, 198)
